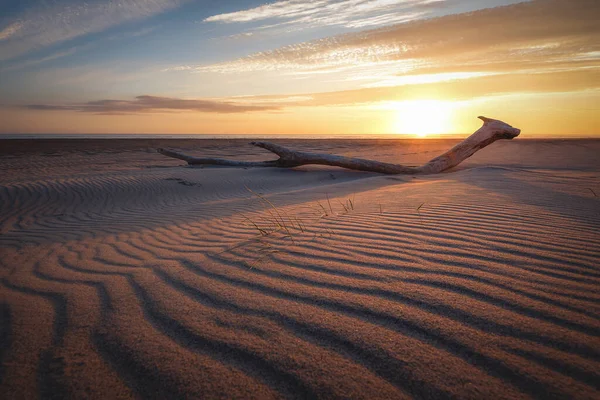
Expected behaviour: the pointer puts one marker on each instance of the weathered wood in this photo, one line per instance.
(491, 131)
(191, 160)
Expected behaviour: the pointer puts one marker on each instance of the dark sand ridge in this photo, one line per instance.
(119, 281)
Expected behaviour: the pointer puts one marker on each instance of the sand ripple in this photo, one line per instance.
(156, 283)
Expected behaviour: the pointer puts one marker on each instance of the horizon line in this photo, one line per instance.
(204, 136)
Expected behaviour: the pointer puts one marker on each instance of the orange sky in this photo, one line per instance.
(535, 65)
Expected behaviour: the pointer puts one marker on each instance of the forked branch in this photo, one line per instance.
(491, 131)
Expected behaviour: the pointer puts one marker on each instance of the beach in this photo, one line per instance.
(128, 274)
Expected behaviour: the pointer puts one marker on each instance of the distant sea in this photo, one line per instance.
(215, 136)
(13, 136)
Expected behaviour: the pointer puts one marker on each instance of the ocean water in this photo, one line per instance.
(12, 136)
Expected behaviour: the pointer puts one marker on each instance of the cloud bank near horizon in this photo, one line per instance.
(148, 104)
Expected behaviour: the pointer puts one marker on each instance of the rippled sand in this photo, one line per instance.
(124, 273)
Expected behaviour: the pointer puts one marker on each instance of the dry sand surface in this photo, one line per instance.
(124, 273)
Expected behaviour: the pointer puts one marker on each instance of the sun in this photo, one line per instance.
(422, 117)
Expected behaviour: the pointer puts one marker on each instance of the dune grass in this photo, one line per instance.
(277, 220)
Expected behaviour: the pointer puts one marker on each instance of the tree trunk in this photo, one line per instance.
(491, 131)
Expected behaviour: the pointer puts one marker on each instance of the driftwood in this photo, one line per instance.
(491, 131)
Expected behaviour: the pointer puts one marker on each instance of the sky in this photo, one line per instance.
(408, 68)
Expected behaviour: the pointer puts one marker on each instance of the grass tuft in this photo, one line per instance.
(329, 202)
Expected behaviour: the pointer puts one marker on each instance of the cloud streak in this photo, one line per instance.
(484, 40)
(10, 30)
(465, 89)
(559, 81)
(149, 104)
(468, 89)
(37, 61)
(349, 13)
(53, 22)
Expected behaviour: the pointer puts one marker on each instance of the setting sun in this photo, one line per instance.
(277, 199)
(422, 117)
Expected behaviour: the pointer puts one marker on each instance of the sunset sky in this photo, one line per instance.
(320, 67)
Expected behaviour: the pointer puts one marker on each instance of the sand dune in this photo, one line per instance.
(125, 274)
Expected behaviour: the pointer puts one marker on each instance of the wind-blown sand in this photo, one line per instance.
(124, 273)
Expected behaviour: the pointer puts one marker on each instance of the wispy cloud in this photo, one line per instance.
(143, 32)
(280, 9)
(514, 37)
(467, 89)
(147, 104)
(349, 13)
(10, 30)
(48, 23)
(37, 61)
(477, 86)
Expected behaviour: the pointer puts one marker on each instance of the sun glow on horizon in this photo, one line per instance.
(422, 117)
